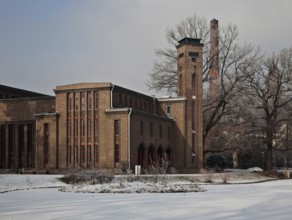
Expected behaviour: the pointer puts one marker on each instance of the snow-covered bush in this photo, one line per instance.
(208, 175)
(224, 177)
(159, 169)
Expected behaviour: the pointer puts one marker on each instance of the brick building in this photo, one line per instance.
(101, 124)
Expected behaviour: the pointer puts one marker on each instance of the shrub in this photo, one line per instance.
(224, 177)
(88, 177)
(217, 162)
(208, 175)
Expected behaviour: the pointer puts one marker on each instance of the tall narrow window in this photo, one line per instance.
(69, 124)
(30, 145)
(75, 127)
(89, 154)
(21, 145)
(168, 109)
(136, 103)
(11, 146)
(69, 155)
(70, 101)
(82, 154)
(82, 101)
(82, 127)
(120, 98)
(117, 141)
(180, 85)
(89, 127)
(46, 142)
(89, 100)
(141, 127)
(126, 100)
(95, 100)
(95, 126)
(131, 101)
(76, 102)
(76, 154)
(96, 154)
(2, 146)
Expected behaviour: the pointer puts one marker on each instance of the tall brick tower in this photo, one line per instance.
(214, 56)
(190, 69)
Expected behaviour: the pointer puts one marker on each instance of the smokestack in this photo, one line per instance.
(214, 56)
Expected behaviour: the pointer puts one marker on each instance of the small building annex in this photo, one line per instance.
(101, 125)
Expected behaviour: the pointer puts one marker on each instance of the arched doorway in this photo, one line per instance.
(160, 153)
(168, 153)
(150, 155)
(141, 158)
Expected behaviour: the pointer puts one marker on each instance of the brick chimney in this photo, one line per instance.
(214, 56)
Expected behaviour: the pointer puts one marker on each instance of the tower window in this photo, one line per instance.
(193, 54)
(168, 108)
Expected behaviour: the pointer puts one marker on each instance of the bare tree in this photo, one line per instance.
(164, 72)
(271, 96)
(235, 64)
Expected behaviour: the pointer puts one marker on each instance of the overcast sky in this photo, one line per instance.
(45, 43)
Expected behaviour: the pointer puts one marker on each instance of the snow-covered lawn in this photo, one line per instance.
(267, 200)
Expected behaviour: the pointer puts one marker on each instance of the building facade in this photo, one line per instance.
(102, 125)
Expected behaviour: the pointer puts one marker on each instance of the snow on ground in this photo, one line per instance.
(13, 182)
(266, 200)
(175, 183)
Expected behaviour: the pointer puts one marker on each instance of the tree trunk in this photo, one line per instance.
(234, 158)
(269, 157)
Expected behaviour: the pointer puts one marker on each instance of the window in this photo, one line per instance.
(2, 146)
(89, 127)
(96, 153)
(69, 155)
(82, 127)
(46, 143)
(117, 141)
(95, 126)
(75, 127)
(76, 154)
(141, 127)
(95, 100)
(120, 98)
(168, 108)
(82, 101)
(89, 100)
(82, 156)
(126, 100)
(89, 153)
(136, 103)
(69, 124)
(70, 101)
(76, 101)
(11, 138)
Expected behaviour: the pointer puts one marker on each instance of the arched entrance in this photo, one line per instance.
(141, 158)
(168, 153)
(160, 153)
(150, 155)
